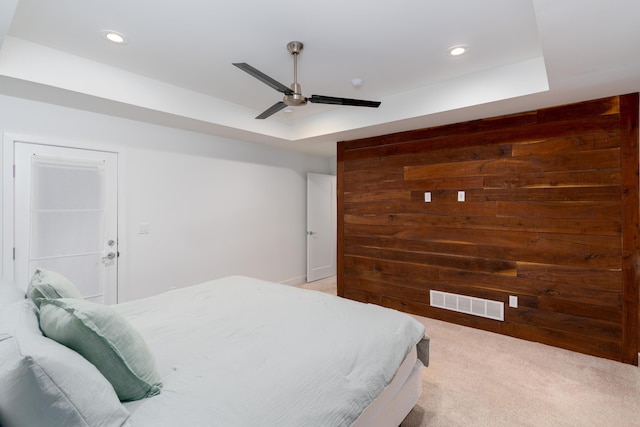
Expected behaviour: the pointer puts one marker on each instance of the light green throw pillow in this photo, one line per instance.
(49, 284)
(105, 338)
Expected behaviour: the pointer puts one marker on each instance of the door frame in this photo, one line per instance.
(333, 220)
(9, 140)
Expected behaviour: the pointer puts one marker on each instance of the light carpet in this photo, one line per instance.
(479, 378)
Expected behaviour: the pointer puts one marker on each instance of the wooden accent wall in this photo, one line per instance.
(551, 216)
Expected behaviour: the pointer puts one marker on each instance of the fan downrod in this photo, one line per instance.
(296, 99)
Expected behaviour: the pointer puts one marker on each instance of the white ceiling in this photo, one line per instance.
(176, 67)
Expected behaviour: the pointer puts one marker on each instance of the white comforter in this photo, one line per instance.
(244, 352)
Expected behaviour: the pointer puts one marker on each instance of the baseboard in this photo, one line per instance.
(295, 281)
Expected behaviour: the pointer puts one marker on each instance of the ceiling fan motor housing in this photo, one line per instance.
(296, 98)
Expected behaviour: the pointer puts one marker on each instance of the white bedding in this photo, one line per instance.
(244, 352)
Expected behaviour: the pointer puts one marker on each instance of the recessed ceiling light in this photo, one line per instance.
(114, 37)
(458, 50)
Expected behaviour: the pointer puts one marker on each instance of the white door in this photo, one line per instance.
(321, 226)
(66, 217)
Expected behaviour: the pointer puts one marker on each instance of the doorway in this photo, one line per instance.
(65, 216)
(321, 226)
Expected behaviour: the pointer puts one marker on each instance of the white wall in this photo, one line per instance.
(215, 206)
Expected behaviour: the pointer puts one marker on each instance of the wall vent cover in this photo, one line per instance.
(469, 305)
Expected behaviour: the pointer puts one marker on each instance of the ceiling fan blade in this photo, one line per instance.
(272, 110)
(264, 78)
(320, 99)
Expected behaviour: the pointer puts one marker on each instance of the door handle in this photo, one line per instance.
(110, 255)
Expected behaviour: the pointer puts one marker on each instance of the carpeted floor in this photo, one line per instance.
(478, 378)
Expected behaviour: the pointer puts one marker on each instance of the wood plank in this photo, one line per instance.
(443, 204)
(557, 162)
(462, 221)
(340, 230)
(580, 110)
(445, 170)
(495, 266)
(395, 268)
(374, 176)
(384, 159)
(569, 323)
(377, 196)
(587, 280)
(586, 160)
(551, 180)
(383, 279)
(630, 227)
(449, 183)
(490, 243)
(583, 243)
(471, 127)
(362, 296)
(491, 286)
(385, 289)
(443, 240)
(593, 311)
(601, 192)
(375, 180)
(461, 154)
(566, 144)
(562, 209)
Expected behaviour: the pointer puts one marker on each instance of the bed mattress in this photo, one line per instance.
(397, 399)
(239, 351)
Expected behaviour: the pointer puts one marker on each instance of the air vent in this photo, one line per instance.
(469, 305)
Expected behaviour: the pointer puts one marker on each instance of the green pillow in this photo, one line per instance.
(106, 339)
(49, 284)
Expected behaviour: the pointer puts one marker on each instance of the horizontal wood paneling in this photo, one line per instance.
(550, 215)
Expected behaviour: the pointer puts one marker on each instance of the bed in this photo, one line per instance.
(238, 351)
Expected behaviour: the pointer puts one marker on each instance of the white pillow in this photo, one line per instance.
(43, 383)
(9, 293)
(50, 284)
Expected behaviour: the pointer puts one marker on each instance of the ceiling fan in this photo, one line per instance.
(293, 95)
